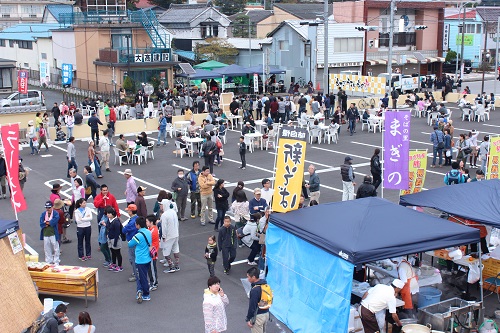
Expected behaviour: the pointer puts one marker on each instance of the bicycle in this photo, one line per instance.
(363, 104)
(301, 82)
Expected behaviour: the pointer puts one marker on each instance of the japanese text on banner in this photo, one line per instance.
(493, 157)
(289, 168)
(396, 149)
(10, 141)
(416, 175)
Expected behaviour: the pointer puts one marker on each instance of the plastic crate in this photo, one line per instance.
(491, 267)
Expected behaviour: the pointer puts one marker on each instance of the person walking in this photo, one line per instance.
(352, 116)
(376, 168)
(348, 176)
(91, 184)
(130, 230)
(92, 156)
(83, 219)
(69, 120)
(141, 242)
(438, 144)
(214, 307)
(194, 188)
(94, 123)
(49, 233)
(31, 134)
(131, 187)
(206, 181)
(313, 185)
(170, 236)
(243, 150)
(180, 187)
(227, 243)
(42, 136)
(251, 238)
(257, 315)
(221, 205)
(366, 189)
(71, 156)
(140, 202)
(209, 149)
(211, 254)
(155, 235)
(114, 227)
(104, 147)
(162, 130)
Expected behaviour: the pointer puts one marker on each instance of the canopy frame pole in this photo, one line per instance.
(481, 310)
(487, 174)
(275, 160)
(383, 164)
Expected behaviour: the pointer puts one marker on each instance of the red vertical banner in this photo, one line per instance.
(10, 141)
(22, 82)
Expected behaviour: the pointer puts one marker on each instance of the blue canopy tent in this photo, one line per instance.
(201, 74)
(477, 201)
(311, 257)
(232, 70)
(7, 227)
(259, 69)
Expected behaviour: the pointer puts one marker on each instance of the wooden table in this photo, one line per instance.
(69, 281)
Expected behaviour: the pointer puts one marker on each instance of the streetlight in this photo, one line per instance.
(486, 61)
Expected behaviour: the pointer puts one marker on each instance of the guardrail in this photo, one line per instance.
(22, 109)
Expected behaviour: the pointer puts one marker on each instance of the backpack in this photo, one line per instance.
(38, 326)
(259, 104)
(266, 297)
(454, 179)
(218, 143)
(240, 234)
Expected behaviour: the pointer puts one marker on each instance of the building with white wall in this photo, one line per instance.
(13, 12)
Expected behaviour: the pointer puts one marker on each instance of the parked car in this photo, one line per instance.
(451, 66)
(15, 99)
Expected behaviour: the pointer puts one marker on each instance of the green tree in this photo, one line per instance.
(230, 7)
(240, 26)
(164, 3)
(216, 49)
(128, 84)
(451, 56)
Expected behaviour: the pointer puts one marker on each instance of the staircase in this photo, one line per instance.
(158, 34)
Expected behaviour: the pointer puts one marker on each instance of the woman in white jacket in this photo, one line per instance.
(83, 219)
(169, 242)
(214, 307)
(252, 232)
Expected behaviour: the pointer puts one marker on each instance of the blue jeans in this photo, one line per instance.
(131, 259)
(162, 134)
(81, 234)
(70, 132)
(72, 164)
(435, 153)
(33, 149)
(301, 109)
(352, 125)
(142, 281)
(483, 163)
(97, 166)
(220, 217)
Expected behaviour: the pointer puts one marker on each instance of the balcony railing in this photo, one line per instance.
(95, 17)
(400, 39)
(122, 55)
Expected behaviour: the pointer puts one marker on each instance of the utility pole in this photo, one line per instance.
(325, 53)
(249, 41)
(496, 58)
(486, 54)
(463, 41)
(391, 38)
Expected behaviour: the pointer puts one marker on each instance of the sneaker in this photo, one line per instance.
(118, 269)
(251, 263)
(211, 222)
(138, 297)
(153, 287)
(106, 264)
(166, 265)
(131, 279)
(4, 196)
(146, 298)
(241, 245)
(177, 268)
(163, 261)
(89, 257)
(243, 168)
(83, 258)
(203, 223)
(111, 267)
(184, 218)
(226, 272)
(108, 170)
(193, 216)
(170, 270)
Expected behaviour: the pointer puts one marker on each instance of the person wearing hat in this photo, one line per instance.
(142, 209)
(407, 274)
(376, 299)
(131, 188)
(58, 205)
(348, 176)
(366, 189)
(257, 204)
(49, 233)
(130, 230)
(247, 128)
(31, 134)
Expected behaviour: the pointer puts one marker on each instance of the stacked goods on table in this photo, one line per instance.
(37, 266)
(491, 268)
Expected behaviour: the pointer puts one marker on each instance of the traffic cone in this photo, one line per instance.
(317, 86)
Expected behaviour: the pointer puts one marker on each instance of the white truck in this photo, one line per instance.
(402, 83)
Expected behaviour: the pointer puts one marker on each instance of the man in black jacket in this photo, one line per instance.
(227, 243)
(56, 113)
(56, 318)
(256, 318)
(181, 187)
(376, 168)
(366, 189)
(352, 116)
(94, 123)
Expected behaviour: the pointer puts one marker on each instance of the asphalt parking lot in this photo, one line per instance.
(176, 305)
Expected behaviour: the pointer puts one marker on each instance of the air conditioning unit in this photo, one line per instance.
(413, 48)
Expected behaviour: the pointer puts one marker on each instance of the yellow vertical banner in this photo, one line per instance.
(417, 166)
(493, 157)
(290, 161)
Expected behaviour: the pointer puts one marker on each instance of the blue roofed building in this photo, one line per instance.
(52, 13)
(13, 12)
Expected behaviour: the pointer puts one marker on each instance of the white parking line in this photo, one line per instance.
(340, 152)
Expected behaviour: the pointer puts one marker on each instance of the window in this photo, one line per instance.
(5, 78)
(471, 28)
(32, 94)
(283, 45)
(24, 44)
(2, 42)
(400, 39)
(7, 9)
(112, 7)
(348, 44)
(44, 56)
(383, 24)
(11, 43)
(31, 9)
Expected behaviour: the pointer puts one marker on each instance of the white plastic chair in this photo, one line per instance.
(487, 112)
(480, 114)
(315, 133)
(249, 143)
(178, 149)
(120, 157)
(374, 124)
(433, 117)
(222, 135)
(365, 123)
(270, 142)
(331, 134)
(139, 155)
(150, 152)
(170, 129)
(466, 112)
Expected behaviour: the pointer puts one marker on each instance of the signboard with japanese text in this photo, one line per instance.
(22, 82)
(67, 74)
(396, 149)
(10, 142)
(152, 57)
(256, 83)
(416, 174)
(44, 73)
(446, 37)
(493, 157)
(468, 39)
(290, 162)
(358, 83)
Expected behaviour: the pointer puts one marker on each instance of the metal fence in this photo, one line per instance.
(22, 109)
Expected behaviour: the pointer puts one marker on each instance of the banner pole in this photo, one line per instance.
(383, 164)
(276, 157)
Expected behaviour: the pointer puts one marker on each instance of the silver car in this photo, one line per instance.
(33, 97)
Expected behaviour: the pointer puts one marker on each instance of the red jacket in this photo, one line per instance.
(101, 202)
(112, 115)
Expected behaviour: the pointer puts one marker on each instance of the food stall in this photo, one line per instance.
(316, 298)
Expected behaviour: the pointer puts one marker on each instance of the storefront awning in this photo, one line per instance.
(431, 59)
(441, 59)
(412, 60)
(373, 62)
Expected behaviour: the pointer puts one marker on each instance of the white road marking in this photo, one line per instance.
(339, 152)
